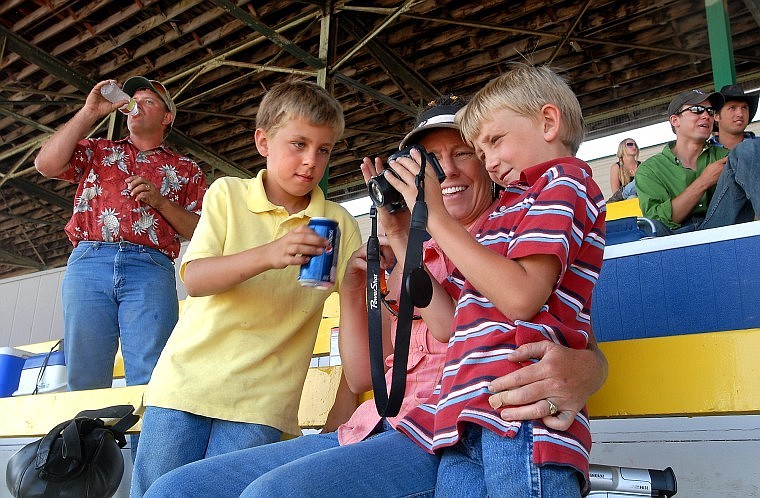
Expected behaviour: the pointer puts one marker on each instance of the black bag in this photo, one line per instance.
(79, 458)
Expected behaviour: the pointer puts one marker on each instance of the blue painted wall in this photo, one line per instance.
(703, 288)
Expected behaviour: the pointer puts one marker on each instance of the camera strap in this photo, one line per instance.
(416, 291)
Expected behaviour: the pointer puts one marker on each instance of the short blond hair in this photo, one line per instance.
(299, 99)
(525, 89)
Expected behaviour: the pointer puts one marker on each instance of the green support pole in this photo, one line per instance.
(323, 74)
(721, 48)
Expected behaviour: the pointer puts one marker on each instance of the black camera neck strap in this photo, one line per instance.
(416, 290)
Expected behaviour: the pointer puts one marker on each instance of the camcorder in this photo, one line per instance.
(621, 482)
(383, 194)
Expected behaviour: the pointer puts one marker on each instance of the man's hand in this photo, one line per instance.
(145, 191)
(567, 377)
(97, 105)
(712, 172)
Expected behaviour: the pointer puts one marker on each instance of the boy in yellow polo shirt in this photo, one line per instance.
(233, 369)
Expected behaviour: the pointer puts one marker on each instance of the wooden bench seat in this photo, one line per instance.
(31, 416)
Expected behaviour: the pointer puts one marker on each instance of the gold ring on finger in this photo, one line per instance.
(553, 410)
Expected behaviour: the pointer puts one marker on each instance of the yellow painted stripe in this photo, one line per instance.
(332, 306)
(318, 395)
(31, 416)
(698, 374)
(623, 209)
(330, 319)
(35, 415)
(322, 345)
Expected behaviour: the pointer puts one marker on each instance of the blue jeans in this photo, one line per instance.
(483, 463)
(112, 291)
(629, 190)
(737, 194)
(386, 464)
(173, 438)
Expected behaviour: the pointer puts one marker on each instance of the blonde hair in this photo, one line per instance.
(295, 99)
(622, 175)
(525, 89)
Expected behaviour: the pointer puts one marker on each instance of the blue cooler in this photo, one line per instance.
(11, 364)
(52, 379)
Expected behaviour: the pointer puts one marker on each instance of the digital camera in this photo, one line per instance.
(383, 194)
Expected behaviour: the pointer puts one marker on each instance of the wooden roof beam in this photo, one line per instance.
(566, 39)
(393, 65)
(37, 192)
(9, 258)
(270, 33)
(754, 9)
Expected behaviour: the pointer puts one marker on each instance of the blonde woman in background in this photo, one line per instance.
(623, 171)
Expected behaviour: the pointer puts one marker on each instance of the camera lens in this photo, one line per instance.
(384, 195)
(376, 193)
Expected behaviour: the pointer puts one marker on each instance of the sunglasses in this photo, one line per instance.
(630, 144)
(697, 109)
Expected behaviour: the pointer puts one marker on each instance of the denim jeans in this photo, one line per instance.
(115, 291)
(483, 463)
(173, 438)
(737, 194)
(386, 464)
(629, 190)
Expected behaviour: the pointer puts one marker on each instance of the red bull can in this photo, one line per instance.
(320, 271)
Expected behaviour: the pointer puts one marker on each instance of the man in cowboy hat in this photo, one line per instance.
(733, 116)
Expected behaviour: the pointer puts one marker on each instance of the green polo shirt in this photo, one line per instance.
(662, 178)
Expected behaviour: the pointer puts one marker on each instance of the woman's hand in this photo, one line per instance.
(407, 168)
(355, 276)
(395, 225)
(567, 377)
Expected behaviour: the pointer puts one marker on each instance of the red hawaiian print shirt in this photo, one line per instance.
(103, 208)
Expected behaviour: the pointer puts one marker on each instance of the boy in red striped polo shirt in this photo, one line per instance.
(527, 276)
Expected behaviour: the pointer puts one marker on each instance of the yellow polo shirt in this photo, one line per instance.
(242, 355)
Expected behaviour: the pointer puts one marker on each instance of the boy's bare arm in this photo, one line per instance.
(518, 288)
(207, 276)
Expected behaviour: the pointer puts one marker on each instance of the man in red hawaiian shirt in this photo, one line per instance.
(135, 198)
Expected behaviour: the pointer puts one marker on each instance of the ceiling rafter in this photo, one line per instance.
(393, 65)
(13, 259)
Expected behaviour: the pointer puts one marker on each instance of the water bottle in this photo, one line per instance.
(113, 93)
